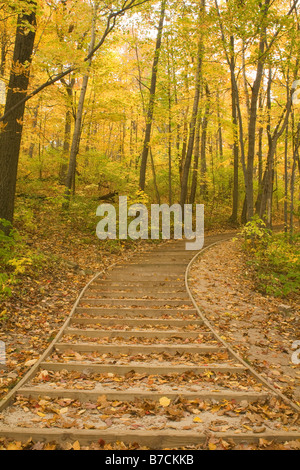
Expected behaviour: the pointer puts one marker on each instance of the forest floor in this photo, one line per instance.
(261, 329)
(43, 297)
(256, 326)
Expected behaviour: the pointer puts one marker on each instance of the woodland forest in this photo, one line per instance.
(190, 102)
(165, 102)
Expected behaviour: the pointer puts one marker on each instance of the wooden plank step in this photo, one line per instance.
(133, 322)
(171, 265)
(150, 312)
(134, 333)
(163, 259)
(92, 396)
(136, 302)
(138, 283)
(138, 295)
(140, 369)
(128, 276)
(140, 289)
(148, 271)
(140, 349)
(153, 439)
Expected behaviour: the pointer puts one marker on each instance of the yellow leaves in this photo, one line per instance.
(197, 420)
(76, 446)
(2, 126)
(63, 411)
(212, 446)
(208, 373)
(50, 446)
(20, 264)
(164, 401)
(14, 446)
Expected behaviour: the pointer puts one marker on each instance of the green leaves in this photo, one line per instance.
(275, 260)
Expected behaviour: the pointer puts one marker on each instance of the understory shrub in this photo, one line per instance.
(275, 259)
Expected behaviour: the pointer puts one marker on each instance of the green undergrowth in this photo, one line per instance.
(16, 259)
(275, 259)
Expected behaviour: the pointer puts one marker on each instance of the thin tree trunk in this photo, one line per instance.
(67, 131)
(265, 206)
(185, 128)
(285, 208)
(196, 163)
(235, 192)
(70, 180)
(34, 126)
(220, 136)
(154, 177)
(203, 184)
(252, 130)
(189, 153)
(296, 143)
(150, 112)
(169, 127)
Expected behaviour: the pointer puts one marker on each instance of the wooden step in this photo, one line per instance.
(112, 395)
(153, 439)
(140, 369)
(136, 302)
(140, 349)
(105, 289)
(138, 283)
(134, 333)
(147, 312)
(137, 295)
(133, 322)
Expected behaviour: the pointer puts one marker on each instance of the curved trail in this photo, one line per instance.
(137, 362)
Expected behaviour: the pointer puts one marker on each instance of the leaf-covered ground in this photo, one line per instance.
(261, 329)
(43, 298)
(253, 324)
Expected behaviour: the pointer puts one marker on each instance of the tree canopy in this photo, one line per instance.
(166, 101)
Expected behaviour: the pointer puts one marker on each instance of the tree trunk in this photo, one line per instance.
(266, 196)
(189, 153)
(11, 129)
(196, 164)
(296, 143)
(154, 177)
(252, 130)
(169, 128)
(70, 180)
(34, 126)
(150, 112)
(285, 209)
(203, 185)
(4, 47)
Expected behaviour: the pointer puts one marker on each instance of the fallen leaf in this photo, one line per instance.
(164, 401)
(76, 446)
(197, 420)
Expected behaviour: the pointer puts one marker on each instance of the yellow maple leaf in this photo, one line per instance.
(197, 420)
(212, 446)
(164, 401)
(76, 446)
